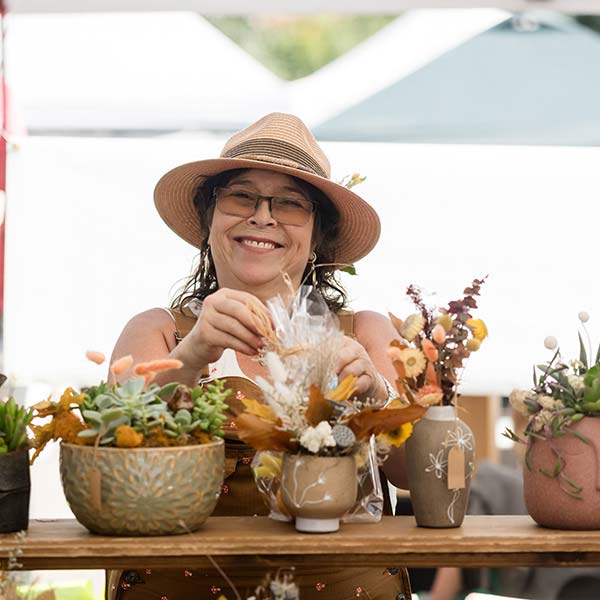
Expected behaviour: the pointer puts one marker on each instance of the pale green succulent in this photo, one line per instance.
(106, 407)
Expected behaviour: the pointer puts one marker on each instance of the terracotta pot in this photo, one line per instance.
(545, 498)
(427, 467)
(15, 489)
(318, 490)
(143, 491)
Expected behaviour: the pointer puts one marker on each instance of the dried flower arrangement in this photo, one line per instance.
(431, 353)
(305, 409)
(136, 413)
(566, 392)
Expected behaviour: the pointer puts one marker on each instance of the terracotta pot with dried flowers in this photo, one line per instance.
(316, 440)
(15, 483)
(561, 475)
(137, 458)
(429, 359)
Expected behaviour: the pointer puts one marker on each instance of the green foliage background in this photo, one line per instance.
(293, 47)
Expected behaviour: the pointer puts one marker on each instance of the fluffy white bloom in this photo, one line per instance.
(517, 401)
(543, 418)
(576, 382)
(575, 365)
(584, 317)
(316, 438)
(551, 342)
(277, 370)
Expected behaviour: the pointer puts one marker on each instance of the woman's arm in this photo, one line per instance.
(226, 321)
(375, 332)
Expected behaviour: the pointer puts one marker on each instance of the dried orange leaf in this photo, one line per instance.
(375, 421)
(318, 408)
(396, 322)
(262, 435)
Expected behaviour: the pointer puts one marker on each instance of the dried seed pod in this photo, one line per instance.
(344, 436)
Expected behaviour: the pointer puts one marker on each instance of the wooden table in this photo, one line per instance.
(481, 541)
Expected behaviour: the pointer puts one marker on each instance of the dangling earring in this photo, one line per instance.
(207, 259)
(313, 270)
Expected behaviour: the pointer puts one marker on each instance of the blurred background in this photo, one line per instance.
(477, 126)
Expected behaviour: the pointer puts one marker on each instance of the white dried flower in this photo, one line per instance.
(546, 402)
(584, 317)
(316, 438)
(576, 382)
(551, 342)
(277, 370)
(517, 401)
(543, 418)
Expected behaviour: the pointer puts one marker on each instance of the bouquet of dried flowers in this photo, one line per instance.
(305, 409)
(565, 392)
(434, 345)
(136, 413)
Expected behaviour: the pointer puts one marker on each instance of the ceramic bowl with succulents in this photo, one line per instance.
(136, 458)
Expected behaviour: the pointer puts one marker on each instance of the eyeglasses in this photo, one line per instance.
(241, 203)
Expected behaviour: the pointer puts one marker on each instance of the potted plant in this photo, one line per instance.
(561, 475)
(137, 458)
(429, 358)
(313, 434)
(14, 465)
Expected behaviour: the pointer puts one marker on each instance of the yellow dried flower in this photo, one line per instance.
(414, 361)
(445, 321)
(398, 436)
(478, 328)
(269, 466)
(473, 345)
(412, 326)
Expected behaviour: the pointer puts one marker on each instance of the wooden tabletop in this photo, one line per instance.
(481, 541)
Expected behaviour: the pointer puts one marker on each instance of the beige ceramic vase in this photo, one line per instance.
(318, 490)
(545, 497)
(427, 450)
(142, 491)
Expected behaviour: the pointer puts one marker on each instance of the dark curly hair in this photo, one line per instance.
(203, 280)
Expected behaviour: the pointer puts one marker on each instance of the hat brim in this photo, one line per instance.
(359, 225)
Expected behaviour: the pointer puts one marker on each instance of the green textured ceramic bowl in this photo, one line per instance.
(143, 491)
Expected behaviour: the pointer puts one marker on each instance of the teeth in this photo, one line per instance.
(255, 244)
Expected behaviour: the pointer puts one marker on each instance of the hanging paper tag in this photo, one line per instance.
(456, 468)
(96, 488)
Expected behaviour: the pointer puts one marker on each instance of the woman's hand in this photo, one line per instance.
(226, 321)
(354, 360)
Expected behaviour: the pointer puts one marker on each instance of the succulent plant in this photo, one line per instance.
(107, 407)
(14, 420)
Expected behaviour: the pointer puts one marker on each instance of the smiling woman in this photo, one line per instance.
(265, 208)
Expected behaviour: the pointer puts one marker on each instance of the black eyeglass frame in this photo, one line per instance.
(258, 197)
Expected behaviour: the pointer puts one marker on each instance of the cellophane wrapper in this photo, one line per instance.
(309, 325)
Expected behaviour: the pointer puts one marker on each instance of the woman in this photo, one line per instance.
(265, 207)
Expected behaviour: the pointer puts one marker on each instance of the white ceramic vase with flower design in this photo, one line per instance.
(427, 452)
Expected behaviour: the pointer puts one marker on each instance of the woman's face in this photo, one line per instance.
(250, 253)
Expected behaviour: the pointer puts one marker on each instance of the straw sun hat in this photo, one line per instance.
(281, 143)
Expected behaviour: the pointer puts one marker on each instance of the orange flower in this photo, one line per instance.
(430, 374)
(121, 365)
(429, 350)
(95, 357)
(161, 364)
(128, 437)
(429, 395)
(439, 334)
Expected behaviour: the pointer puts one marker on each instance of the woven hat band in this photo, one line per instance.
(276, 152)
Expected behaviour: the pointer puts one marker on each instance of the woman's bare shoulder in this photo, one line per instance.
(150, 325)
(371, 326)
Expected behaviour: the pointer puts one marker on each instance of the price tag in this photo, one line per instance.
(456, 468)
(96, 488)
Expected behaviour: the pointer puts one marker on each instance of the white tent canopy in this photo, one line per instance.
(121, 71)
(222, 7)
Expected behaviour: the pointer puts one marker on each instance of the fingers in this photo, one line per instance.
(354, 360)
